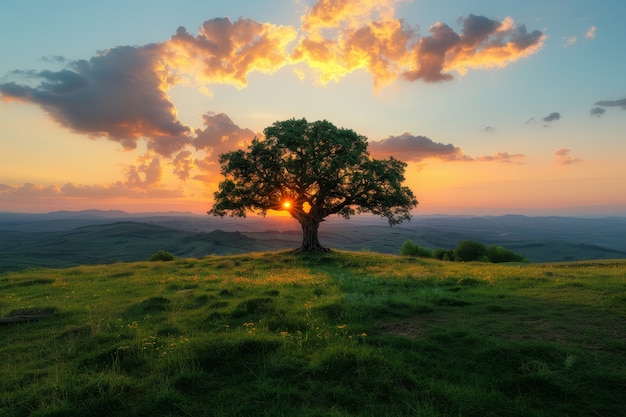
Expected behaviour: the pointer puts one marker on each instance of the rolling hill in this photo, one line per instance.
(62, 239)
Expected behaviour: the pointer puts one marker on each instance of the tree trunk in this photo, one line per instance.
(310, 241)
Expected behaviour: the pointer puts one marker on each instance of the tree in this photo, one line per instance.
(311, 170)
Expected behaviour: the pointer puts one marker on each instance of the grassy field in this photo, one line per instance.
(340, 334)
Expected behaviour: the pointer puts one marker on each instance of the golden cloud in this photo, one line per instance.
(226, 52)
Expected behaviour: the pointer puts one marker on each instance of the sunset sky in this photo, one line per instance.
(497, 106)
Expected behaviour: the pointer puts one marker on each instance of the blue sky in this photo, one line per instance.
(539, 131)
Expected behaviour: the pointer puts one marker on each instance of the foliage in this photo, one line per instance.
(311, 170)
(162, 255)
(499, 254)
(443, 254)
(469, 250)
(354, 334)
(409, 248)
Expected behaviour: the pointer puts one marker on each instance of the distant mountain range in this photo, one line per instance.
(66, 238)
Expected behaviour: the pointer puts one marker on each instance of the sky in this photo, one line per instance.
(497, 106)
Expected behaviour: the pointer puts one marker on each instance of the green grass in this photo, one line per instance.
(342, 334)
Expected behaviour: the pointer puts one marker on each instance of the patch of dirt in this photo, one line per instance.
(412, 328)
(23, 315)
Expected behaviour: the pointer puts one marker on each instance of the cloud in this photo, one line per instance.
(146, 174)
(597, 111)
(117, 94)
(569, 41)
(220, 134)
(612, 103)
(563, 157)
(28, 193)
(183, 163)
(504, 157)
(341, 36)
(27, 190)
(407, 147)
(116, 190)
(590, 34)
(482, 44)
(552, 117)
(410, 148)
(121, 93)
(226, 52)
(141, 180)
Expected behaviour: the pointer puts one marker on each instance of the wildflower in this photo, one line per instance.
(284, 333)
(248, 324)
(341, 326)
(364, 334)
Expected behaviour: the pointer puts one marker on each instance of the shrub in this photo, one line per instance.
(499, 254)
(162, 256)
(469, 250)
(444, 254)
(409, 248)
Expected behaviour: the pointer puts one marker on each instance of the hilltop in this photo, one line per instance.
(341, 334)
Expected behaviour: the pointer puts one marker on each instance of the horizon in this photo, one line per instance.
(504, 108)
(588, 214)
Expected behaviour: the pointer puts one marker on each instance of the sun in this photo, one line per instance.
(286, 205)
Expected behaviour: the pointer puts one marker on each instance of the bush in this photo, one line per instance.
(409, 248)
(162, 256)
(469, 250)
(444, 254)
(498, 254)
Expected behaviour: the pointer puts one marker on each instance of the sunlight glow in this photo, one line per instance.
(286, 205)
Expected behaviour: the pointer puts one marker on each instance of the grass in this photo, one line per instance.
(342, 334)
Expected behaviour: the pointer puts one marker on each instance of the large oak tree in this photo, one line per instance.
(312, 170)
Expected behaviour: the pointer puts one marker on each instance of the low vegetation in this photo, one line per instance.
(162, 255)
(465, 251)
(337, 334)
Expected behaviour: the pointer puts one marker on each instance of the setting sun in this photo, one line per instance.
(287, 205)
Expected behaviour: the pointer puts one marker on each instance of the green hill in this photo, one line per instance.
(341, 334)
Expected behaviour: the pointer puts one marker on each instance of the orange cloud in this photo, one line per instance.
(482, 44)
(563, 157)
(145, 175)
(341, 36)
(504, 157)
(346, 13)
(226, 52)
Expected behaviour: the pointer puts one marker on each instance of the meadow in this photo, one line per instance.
(338, 334)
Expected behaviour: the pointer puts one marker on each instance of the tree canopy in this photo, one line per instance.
(312, 170)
